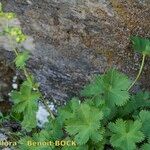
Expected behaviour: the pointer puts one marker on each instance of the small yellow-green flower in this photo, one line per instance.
(15, 31)
(10, 16)
(20, 38)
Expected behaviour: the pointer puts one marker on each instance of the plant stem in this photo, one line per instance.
(16, 52)
(47, 107)
(139, 73)
(42, 98)
(26, 73)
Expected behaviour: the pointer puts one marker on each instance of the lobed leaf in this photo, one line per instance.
(84, 125)
(68, 111)
(145, 146)
(112, 87)
(125, 134)
(141, 45)
(25, 101)
(144, 117)
(141, 100)
(21, 59)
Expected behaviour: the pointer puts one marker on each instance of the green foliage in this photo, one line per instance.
(6, 15)
(68, 111)
(144, 117)
(84, 126)
(27, 142)
(25, 101)
(21, 59)
(146, 146)
(9, 16)
(139, 101)
(112, 87)
(16, 33)
(141, 45)
(3, 117)
(106, 115)
(125, 134)
(52, 132)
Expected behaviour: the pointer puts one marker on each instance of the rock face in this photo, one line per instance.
(77, 38)
(6, 74)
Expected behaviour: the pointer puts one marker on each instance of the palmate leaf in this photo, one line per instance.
(21, 59)
(54, 128)
(51, 133)
(25, 101)
(26, 143)
(125, 134)
(94, 88)
(100, 104)
(145, 146)
(68, 111)
(115, 87)
(112, 87)
(144, 117)
(73, 146)
(97, 146)
(84, 125)
(139, 101)
(141, 45)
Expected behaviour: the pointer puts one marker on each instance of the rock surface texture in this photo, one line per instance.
(77, 38)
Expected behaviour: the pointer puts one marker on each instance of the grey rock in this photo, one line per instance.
(77, 38)
(6, 75)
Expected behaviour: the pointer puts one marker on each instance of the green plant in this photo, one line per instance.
(125, 134)
(107, 115)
